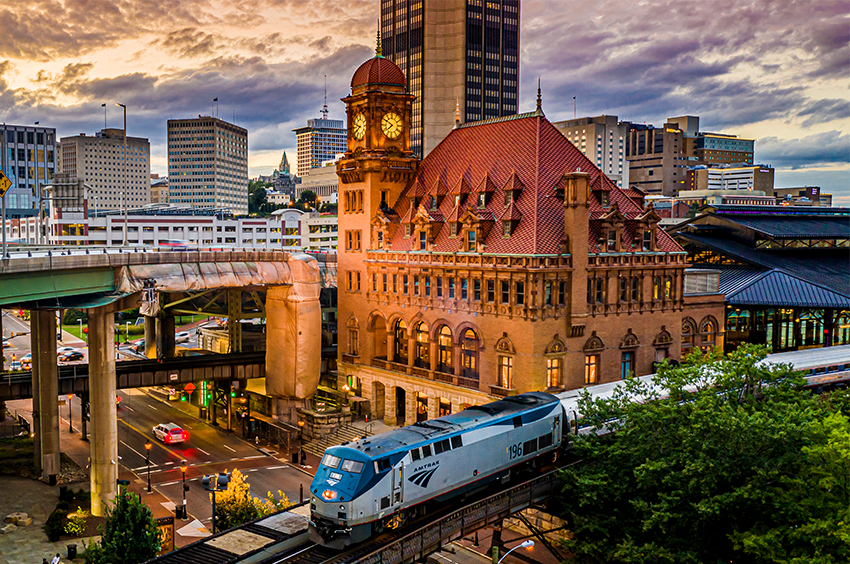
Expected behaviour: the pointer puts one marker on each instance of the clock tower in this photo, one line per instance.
(375, 169)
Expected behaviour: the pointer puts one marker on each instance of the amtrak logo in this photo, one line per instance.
(332, 482)
(422, 478)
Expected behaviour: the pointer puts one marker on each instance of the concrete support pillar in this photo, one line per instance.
(150, 337)
(46, 402)
(36, 418)
(410, 408)
(390, 417)
(433, 407)
(293, 340)
(165, 337)
(234, 315)
(104, 420)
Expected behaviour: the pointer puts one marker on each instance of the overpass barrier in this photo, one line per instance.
(74, 379)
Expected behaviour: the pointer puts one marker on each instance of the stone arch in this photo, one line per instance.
(421, 342)
(689, 336)
(394, 318)
(504, 345)
(663, 338)
(556, 346)
(376, 318)
(594, 344)
(630, 340)
(352, 322)
(470, 350)
(708, 329)
(461, 329)
(444, 338)
(377, 327)
(437, 324)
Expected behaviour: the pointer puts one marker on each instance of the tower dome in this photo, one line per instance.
(378, 71)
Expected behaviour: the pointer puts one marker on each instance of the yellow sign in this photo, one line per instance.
(5, 184)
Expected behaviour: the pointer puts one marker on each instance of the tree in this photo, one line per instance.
(724, 461)
(236, 506)
(129, 534)
(256, 200)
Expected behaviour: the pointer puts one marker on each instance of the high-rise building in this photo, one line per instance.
(28, 158)
(602, 139)
(319, 141)
(99, 162)
(454, 53)
(208, 163)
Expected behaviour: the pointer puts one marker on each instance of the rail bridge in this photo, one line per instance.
(240, 284)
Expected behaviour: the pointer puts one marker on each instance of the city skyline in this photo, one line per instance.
(773, 73)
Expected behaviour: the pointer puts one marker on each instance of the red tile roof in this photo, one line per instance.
(378, 70)
(520, 152)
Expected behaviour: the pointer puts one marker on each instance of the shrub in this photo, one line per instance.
(53, 526)
(76, 524)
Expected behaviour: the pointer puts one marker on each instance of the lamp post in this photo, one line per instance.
(183, 469)
(127, 332)
(124, 169)
(81, 329)
(148, 462)
(70, 413)
(525, 544)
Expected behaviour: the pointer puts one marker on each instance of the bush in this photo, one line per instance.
(76, 524)
(73, 316)
(93, 553)
(66, 494)
(53, 526)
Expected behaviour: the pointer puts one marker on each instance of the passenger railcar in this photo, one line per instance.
(379, 482)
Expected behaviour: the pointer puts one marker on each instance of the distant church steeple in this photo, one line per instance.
(284, 164)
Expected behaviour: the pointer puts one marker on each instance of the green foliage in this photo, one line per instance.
(76, 524)
(235, 505)
(307, 197)
(53, 526)
(73, 316)
(94, 553)
(129, 535)
(256, 200)
(725, 462)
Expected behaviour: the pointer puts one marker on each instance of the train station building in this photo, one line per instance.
(503, 262)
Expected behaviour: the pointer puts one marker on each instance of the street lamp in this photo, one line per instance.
(70, 413)
(127, 332)
(81, 329)
(125, 170)
(525, 544)
(183, 469)
(148, 447)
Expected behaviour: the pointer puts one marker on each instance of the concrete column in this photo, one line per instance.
(150, 337)
(410, 415)
(104, 420)
(234, 315)
(36, 412)
(433, 407)
(165, 337)
(293, 340)
(44, 355)
(389, 405)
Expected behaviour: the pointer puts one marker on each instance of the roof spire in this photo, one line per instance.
(378, 49)
(539, 110)
(457, 114)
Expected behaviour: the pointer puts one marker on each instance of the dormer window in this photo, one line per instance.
(433, 202)
(506, 228)
(454, 229)
(647, 240)
(414, 202)
(423, 240)
(470, 240)
(603, 198)
(612, 240)
(508, 198)
(482, 200)
(380, 239)
(457, 200)
(407, 230)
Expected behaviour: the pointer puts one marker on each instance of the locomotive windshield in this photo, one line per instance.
(331, 461)
(352, 466)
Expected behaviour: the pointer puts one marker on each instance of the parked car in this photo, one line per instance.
(170, 433)
(71, 356)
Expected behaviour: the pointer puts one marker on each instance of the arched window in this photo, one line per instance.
(400, 349)
(444, 354)
(707, 333)
(422, 356)
(469, 351)
(689, 333)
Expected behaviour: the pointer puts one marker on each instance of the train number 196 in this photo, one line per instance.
(515, 451)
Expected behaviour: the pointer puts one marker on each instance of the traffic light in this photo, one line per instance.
(185, 487)
(232, 391)
(184, 396)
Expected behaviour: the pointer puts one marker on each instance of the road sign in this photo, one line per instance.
(190, 387)
(5, 184)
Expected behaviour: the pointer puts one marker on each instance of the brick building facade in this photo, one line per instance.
(503, 262)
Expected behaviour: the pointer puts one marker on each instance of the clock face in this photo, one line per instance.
(359, 126)
(391, 125)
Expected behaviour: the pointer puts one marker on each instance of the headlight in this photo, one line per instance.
(342, 508)
(329, 494)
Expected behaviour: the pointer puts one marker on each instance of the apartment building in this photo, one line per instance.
(602, 139)
(320, 140)
(28, 158)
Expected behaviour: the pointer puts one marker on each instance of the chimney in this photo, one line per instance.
(576, 233)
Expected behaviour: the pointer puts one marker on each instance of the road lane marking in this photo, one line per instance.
(228, 448)
(258, 456)
(152, 407)
(128, 407)
(131, 448)
(205, 452)
(168, 463)
(273, 467)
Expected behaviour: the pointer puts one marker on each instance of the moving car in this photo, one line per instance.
(71, 356)
(16, 365)
(170, 433)
(64, 350)
(182, 337)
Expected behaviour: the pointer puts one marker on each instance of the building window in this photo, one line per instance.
(423, 240)
(395, 283)
(451, 288)
(708, 334)
(624, 289)
(353, 342)
(562, 293)
(612, 240)
(520, 293)
(469, 352)
(427, 286)
(454, 229)
(444, 347)
(627, 365)
(440, 287)
(400, 345)
(636, 297)
(384, 282)
(463, 285)
(408, 229)
(591, 369)
(689, 330)
(647, 239)
(416, 285)
(491, 290)
(423, 346)
(595, 291)
(404, 284)
(506, 228)
(553, 372)
(470, 240)
(506, 292)
(476, 289)
(506, 371)
(668, 288)
(374, 281)
(380, 239)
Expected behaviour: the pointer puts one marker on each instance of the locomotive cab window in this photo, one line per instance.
(426, 451)
(517, 422)
(414, 455)
(441, 446)
(352, 466)
(331, 461)
(545, 441)
(382, 465)
(457, 442)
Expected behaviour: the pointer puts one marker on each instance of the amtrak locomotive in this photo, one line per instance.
(382, 481)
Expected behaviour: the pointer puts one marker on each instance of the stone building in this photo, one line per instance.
(503, 262)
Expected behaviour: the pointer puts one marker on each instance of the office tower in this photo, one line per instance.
(453, 53)
(99, 162)
(602, 139)
(208, 164)
(320, 140)
(28, 158)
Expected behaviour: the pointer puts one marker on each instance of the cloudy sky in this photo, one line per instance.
(773, 70)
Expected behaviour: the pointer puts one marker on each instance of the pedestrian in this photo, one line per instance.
(303, 457)
(56, 559)
(44, 561)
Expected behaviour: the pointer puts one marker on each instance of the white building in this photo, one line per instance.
(319, 232)
(208, 164)
(602, 139)
(319, 141)
(99, 161)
